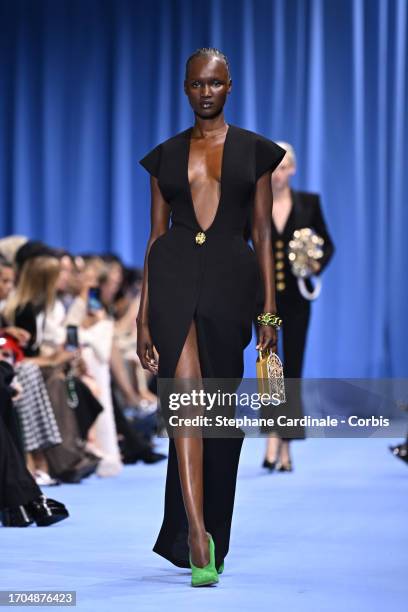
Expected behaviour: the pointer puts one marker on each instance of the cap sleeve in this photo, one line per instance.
(151, 161)
(268, 156)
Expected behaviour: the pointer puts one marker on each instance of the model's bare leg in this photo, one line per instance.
(284, 453)
(190, 460)
(272, 448)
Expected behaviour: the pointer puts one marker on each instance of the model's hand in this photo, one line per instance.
(145, 350)
(267, 338)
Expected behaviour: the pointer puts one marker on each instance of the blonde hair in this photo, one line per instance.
(99, 267)
(290, 155)
(36, 284)
(10, 245)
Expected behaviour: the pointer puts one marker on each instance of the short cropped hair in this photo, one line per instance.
(208, 52)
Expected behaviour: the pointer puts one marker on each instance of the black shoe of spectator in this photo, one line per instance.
(84, 468)
(92, 456)
(150, 456)
(16, 517)
(42, 510)
(46, 512)
(400, 451)
(147, 456)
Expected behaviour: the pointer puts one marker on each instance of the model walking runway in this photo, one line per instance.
(199, 294)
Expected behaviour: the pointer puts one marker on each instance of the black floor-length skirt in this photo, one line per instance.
(215, 287)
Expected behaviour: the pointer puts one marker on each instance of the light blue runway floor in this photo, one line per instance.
(332, 536)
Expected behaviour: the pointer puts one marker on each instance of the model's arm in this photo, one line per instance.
(262, 241)
(159, 219)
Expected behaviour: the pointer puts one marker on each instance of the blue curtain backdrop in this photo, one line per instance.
(88, 86)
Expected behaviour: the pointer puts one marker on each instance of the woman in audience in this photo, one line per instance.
(33, 302)
(52, 292)
(39, 427)
(7, 277)
(21, 500)
(9, 245)
(111, 280)
(96, 338)
(102, 359)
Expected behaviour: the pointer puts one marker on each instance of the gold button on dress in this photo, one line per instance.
(200, 238)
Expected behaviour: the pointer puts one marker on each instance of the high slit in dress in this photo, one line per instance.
(215, 284)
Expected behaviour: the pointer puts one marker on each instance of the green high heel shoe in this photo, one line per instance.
(221, 568)
(203, 576)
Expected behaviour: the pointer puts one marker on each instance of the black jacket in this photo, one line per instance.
(306, 212)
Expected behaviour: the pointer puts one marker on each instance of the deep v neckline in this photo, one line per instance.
(190, 195)
(285, 227)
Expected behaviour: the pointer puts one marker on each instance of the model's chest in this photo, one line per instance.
(205, 160)
(231, 163)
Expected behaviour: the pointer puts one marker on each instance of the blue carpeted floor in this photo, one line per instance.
(332, 536)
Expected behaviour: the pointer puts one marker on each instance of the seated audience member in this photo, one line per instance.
(6, 280)
(6, 286)
(111, 280)
(28, 307)
(102, 357)
(96, 336)
(99, 425)
(10, 245)
(21, 500)
(33, 405)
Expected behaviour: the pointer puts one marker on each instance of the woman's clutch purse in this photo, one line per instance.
(269, 372)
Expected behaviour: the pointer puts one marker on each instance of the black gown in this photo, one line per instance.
(215, 283)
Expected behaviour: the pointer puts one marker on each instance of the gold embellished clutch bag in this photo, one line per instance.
(269, 372)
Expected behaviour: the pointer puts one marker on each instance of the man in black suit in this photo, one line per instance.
(291, 210)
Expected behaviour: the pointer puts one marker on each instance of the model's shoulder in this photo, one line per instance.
(249, 135)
